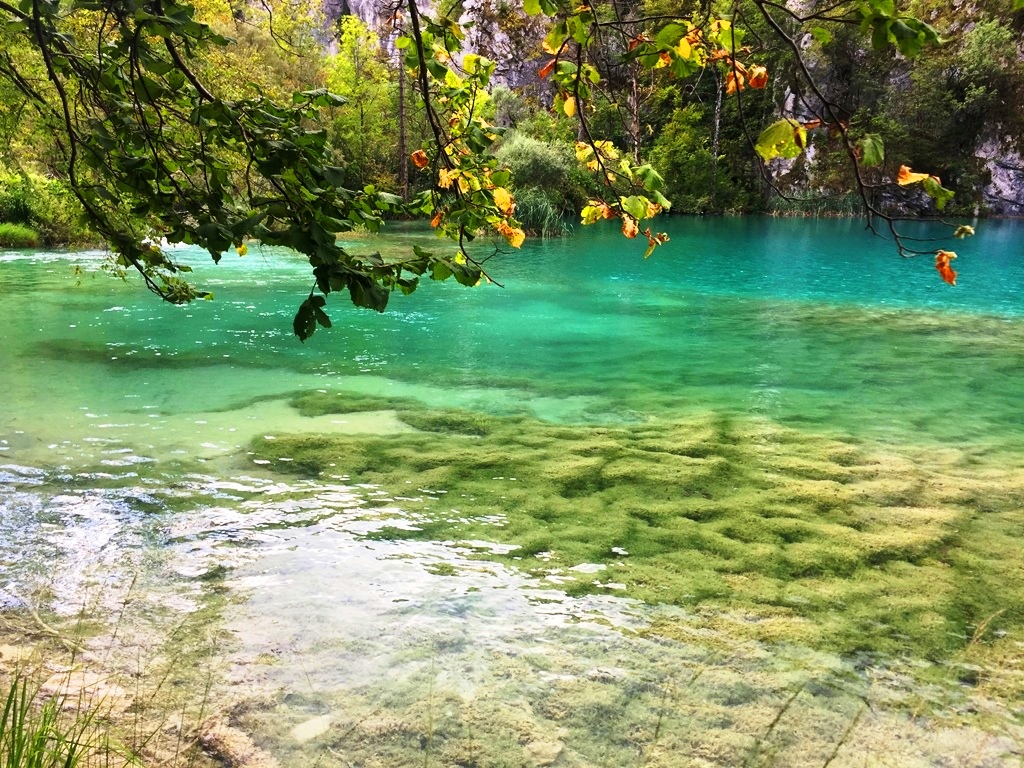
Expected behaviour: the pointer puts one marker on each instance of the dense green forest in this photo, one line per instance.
(287, 121)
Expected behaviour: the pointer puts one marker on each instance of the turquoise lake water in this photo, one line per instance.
(126, 452)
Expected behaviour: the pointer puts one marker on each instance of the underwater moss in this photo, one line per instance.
(824, 542)
(323, 404)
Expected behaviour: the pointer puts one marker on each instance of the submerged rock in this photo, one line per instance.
(233, 748)
(541, 752)
(315, 726)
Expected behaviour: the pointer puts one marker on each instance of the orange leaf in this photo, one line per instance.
(629, 226)
(942, 259)
(420, 159)
(637, 40)
(514, 235)
(434, 222)
(733, 82)
(907, 176)
(758, 77)
(811, 125)
(546, 69)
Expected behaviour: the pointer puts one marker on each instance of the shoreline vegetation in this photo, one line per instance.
(40, 211)
(37, 210)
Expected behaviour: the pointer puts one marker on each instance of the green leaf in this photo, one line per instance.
(880, 35)
(937, 192)
(785, 138)
(635, 206)
(365, 292)
(670, 35)
(440, 272)
(304, 323)
(872, 150)
(884, 7)
(322, 318)
(532, 7)
(908, 40)
(1018, 5)
(822, 35)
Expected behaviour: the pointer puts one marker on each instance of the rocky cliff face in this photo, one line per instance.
(1004, 192)
(497, 29)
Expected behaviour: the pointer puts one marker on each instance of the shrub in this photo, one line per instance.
(18, 236)
(534, 163)
(548, 181)
(45, 205)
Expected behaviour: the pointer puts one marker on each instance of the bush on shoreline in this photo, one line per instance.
(18, 236)
(44, 207)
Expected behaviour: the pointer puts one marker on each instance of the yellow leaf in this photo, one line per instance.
(907, 176)
(445, 178)
(963, 231)
(683, 49)
(570, 106)
(504, 201)
(517, 238)
(242, 249)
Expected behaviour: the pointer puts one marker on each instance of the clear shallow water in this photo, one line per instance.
(125, 428)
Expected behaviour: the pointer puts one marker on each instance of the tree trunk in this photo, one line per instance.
(714, 136)
(634, 111)
(403, 151)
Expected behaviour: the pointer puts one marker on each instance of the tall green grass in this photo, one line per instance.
(17, 236)
(539, 215)
(817, 206)
(43, 736)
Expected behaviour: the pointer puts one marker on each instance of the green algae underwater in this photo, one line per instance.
(784, 536)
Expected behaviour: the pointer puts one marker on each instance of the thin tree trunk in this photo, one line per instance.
(403, 153)
(714, 136)
(634, 111)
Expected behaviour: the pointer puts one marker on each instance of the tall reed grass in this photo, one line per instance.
(50, 734)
